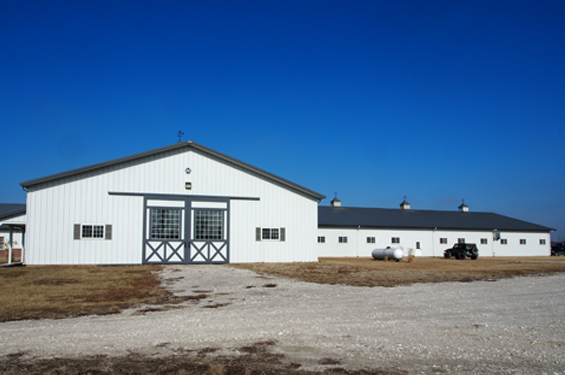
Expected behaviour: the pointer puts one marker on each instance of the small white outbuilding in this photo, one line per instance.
(12, 228)
(183, 203)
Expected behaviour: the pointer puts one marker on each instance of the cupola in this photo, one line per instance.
(463, 207)
(404, 205)
(336, 202)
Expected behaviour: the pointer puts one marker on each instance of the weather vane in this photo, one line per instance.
(180, 134)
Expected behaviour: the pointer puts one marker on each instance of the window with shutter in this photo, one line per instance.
(270, 234)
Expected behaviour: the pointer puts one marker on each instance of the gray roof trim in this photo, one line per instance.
(10, 210)
(186, 144)
(386, 218)
(183, 196)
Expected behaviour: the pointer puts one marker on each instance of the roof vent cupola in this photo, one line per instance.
(336, 202)
(463, 207)
(404, 205)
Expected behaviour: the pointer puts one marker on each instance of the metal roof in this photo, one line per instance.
(340, 217)
(188, 145)
(8, 210)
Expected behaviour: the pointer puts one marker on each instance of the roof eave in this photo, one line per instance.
(258, 171)
(93, 167)
(29, 183)
(12, 215)
(353, 226)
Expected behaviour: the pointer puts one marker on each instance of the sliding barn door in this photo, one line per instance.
(185, 231)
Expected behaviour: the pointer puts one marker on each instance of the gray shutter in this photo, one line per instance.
(77, 232)
(108, 232)
(283, 234)
(257, 234)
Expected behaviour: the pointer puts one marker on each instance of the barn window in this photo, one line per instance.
(208, 224)
(484, 241)
(460, 240)
(395, 240)
(342, 240)
(503, 241)
(270, 234)
(92, 231)
(522, 241)
(2, 243)
(542, 241)
(443, 241)
(321, 239)
(370, 239)
(165, 224)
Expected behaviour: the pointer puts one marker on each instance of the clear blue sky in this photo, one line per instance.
(374, 100)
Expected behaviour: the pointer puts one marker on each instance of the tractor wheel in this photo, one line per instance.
(447, 254)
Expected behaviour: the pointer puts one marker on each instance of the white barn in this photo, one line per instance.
(187, 203)
(183, 203)
(354, 232)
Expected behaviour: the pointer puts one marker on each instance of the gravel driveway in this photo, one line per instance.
(514, 326)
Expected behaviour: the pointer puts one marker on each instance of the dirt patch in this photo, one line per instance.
(249, 360)
(216, 305)
(369, 272)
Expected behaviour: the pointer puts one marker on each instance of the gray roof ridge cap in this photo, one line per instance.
(413, 210)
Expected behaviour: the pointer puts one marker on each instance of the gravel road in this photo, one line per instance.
(514, 326)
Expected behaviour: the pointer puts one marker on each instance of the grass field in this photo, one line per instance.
(35, 292)
(369, 272)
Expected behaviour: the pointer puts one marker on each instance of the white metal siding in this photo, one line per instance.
(54, 207)
(430, 245)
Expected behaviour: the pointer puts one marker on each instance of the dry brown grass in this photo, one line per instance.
(369, 272)
(34, 292)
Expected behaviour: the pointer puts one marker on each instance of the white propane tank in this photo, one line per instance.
(392, 254)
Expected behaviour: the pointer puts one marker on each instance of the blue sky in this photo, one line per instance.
(376, 100)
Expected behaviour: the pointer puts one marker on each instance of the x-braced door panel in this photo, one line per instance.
(208, 252)
(165, 251)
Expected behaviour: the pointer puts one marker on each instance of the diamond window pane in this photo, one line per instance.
(165, 224)
(208, 224)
